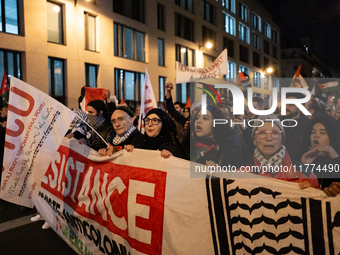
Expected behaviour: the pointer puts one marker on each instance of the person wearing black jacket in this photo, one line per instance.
(123, 131)
(159, 135)
(294, 134)
(322, 149)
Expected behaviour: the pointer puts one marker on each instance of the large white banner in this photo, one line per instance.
(140, 203)
(188, 74)
(36, 124)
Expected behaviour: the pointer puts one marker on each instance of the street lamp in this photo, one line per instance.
(208, 45)
(269, 70)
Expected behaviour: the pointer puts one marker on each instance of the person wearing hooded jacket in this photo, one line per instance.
(159, 135)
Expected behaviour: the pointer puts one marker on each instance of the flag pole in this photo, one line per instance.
(93, 130)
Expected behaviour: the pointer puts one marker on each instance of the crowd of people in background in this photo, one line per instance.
(309, 143)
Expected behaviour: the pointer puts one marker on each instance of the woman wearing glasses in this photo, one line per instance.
(271, 157)
(159, 135)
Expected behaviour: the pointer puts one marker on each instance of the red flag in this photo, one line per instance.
(187, 105)
(92, 94)
(4, 91)
(242, 78)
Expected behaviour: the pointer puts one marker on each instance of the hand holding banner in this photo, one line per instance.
(36, 124)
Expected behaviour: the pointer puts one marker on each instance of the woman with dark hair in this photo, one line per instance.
(322, 149)
(160, 133)
(208, 143)
(99, 121)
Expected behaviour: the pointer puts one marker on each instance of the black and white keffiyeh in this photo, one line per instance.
(79, 123)
(119, 139)
(273, 161)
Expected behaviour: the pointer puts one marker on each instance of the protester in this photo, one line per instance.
(97, 119)
(248, 148)
(270, 153)
(314, 107)
(322, 149)
(159, 135)
(208, 142)
(136, 116)
(294, 134)
(175, 111)
(179, 107)
(235, 144)
(125, 132)
(186, 112)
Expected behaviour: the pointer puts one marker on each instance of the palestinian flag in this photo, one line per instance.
(90, 95)
(243, 81)
(298, 81)
(4, 91)
(329, 86)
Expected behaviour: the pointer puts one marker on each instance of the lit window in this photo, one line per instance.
(229, 24)
(91, 73)
(11, 62)
(185, 55)
(243, 12)
(256, 41)
(161, 59)
(256, 22)
(126, 40)
(56, 79)
(231, 75)
(243, 33)
(229, 4)
(266, 29)
(90, 32)
(9, 16)
(128, 85)
(182, 92)
(257, 79)
(162, 88)
(54, 22)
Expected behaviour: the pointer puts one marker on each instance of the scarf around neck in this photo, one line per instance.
(119, 139)
(275, 160)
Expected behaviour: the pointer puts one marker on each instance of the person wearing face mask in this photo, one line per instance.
(270, 153)
(159, 135)
(97, 119)
(322, 149)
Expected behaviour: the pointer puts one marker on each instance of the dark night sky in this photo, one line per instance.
(317, 19)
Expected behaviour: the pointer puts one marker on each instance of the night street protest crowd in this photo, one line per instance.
(310, 145)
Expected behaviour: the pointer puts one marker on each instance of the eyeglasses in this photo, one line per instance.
(154, 121)
(275, 134)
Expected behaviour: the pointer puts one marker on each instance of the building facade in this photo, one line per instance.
(60, 46)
